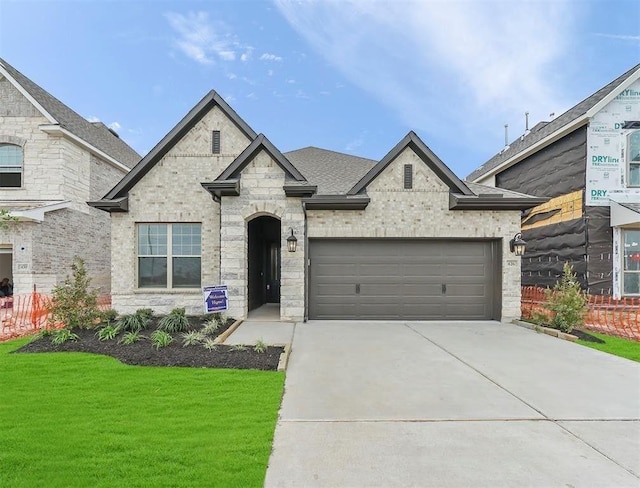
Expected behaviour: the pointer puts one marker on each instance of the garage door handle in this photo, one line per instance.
(357, 288)
(444, 289)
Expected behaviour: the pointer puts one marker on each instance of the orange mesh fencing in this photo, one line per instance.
(28, 313)
(614, 316)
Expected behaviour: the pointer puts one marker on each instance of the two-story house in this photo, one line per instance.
(587, 161)
(52, 161)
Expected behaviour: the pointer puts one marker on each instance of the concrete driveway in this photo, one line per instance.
(453, 404)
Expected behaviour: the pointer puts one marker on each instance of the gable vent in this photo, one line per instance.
(408, 176)
(215, 142)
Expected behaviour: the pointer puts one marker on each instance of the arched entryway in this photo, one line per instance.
(263, 261)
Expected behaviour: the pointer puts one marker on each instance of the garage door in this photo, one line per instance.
(403, 279)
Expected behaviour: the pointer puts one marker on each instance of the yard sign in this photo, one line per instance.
(216, 298)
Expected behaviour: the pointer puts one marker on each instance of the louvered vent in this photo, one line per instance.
(215, 142)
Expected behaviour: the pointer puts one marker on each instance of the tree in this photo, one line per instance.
(567, 301)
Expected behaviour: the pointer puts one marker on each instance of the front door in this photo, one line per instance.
(263, 261)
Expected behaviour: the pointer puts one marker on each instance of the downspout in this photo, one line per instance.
(306, 265)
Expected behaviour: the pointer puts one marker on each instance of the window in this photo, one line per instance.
(169, 255)
(408, 176)
(631, 275)
(633, 156)
(10, 166)
(215, 142)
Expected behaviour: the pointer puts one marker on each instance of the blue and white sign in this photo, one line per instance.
(216, 298)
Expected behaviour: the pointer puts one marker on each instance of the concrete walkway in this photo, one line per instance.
(449, 404)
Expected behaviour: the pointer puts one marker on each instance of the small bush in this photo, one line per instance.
(109, 316)
(160, 338)
(210, 344)
(192, 338)
(260, 346)
(211, 327)
(238, 347)
(129, 338)
(72, 302)
(567, 302)
(175, 321)
(107, 333)
(60, 336)
(132, 322)
(146, 313)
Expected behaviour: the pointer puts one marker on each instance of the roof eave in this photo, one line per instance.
(115, 205)
(300, 190)
(336, 203)
(498, 202)
(227, 188)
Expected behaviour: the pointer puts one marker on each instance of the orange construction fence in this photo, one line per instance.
(28, 313)
(614, 316)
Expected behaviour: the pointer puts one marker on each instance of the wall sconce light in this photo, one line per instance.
(517, 245)
(292, 242)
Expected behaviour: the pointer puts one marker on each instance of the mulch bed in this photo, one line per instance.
(142, 353)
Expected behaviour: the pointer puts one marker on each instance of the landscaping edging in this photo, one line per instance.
(546, 330)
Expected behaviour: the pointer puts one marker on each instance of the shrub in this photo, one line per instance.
(72, 303)
(132, 322)
(175, 321)
(146, 313)
(211, 327)
(160, 338)
(260, 346)
(567, 302)
(109, 316)
(129, 338)
(60, 336)
(210, 344)
(238, 347)
(192, 338)
(107, 333)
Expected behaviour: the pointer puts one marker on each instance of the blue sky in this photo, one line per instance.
(351, 76)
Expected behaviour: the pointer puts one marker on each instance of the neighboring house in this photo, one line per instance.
(52, 161)
(403, 238)
(587, 161)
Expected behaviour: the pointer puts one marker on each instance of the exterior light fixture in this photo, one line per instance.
(517, 245)
(292, 242)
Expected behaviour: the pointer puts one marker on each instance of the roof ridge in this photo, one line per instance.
(331, 151)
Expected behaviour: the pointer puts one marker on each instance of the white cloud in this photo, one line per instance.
(291, 81)
(231, 76)
(270, 72)
(270, 57)
(114, 126)
(356, 143)
(621, 37)
(455, 69)
(203, 40)
(93, 118)
(252, 96)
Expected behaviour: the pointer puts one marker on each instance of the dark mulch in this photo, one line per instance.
(585, 336)
(142, 353)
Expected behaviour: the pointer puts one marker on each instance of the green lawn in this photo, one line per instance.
(625, 348)
(72, 419)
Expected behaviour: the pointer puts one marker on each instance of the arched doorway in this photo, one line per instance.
(263, 261)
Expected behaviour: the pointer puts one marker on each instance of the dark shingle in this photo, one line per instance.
(98, 135)
(334, 173)
(544, 129)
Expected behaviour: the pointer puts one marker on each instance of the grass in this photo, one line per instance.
(75, 419)
(625, 348)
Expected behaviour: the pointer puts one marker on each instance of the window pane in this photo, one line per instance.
(152, 239)
(632, 250)
(634, 174)
(186, 239)
(631, 284)
(10, 155)
(186, 272)
(11, 180)
(634, 146)
(152, 272)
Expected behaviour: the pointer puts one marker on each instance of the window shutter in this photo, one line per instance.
(215, 142)
(408, 176)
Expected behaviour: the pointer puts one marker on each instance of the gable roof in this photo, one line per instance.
(334, 173)
(210, 100)
(260, 143)
(411, 140)
(98, 136)
(547, 132)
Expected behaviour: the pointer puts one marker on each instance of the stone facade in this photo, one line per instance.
(55, 169)
(423, 211)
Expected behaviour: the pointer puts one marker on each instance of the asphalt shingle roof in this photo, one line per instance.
(334, 173)
(98, 135)
(543, 129)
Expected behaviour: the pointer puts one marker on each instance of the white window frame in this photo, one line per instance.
(628, 159)
(168, 256)
(623, 267)
(21, 166)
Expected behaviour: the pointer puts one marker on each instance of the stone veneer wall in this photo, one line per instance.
(171, 193)
(424, 212)
(261, 193)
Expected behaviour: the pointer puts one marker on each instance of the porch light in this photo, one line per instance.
(292, 242)
(517, 245)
